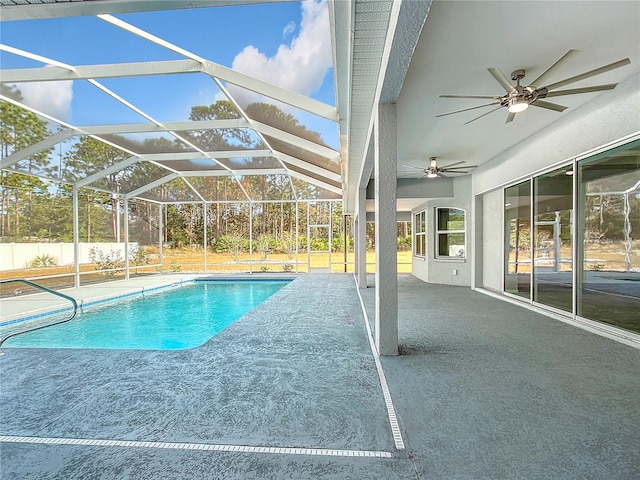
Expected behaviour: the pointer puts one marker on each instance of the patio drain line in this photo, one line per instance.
(391, 411)
(87, 442)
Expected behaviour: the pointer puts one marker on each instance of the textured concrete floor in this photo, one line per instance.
(489, 390)
(296, 372)
(483, 390)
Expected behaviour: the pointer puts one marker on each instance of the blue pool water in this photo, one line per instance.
(169, 319)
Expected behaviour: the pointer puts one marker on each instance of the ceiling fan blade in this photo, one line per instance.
(467, 109)
(511, 117)
(591, 73)
(573, 91)
(456, 163)
(549, 105)
(459, 168)
(411, 166)
(501, 78)
(547, 73)
(484, 114)
(407, 175)
(470, 96)
(451, 171)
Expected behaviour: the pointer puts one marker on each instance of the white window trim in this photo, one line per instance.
(439, 232)
(417, 234)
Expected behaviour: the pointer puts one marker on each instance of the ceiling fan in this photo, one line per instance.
(433, 170)
(518, 97)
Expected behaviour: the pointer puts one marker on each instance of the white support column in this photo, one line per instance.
(385, 159)
(160, 234)
(361, 239)
(76, 239)
(126, 236)
(250, 237)
(205, 207)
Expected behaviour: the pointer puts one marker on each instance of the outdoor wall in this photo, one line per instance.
(607, 118)
(437, 270)
(492, 207)
(14, 256)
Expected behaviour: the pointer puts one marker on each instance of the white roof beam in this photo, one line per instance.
(297, 141)
(107, 171)
(168, 67)
(315, 181)
(244, 172)
(165, 127)
(242, 80)
(296, 162)
(151, 185)
(84, 72)
(168, 157)
(95, 7)
(272, 91)
(48, 142)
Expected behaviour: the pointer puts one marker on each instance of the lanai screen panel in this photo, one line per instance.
(309, 191)
(251, 163)
(218, 188)
(166, 98)
(172, 191)
(130, 178)
(129, 102)
(214, 139)
(268, 187)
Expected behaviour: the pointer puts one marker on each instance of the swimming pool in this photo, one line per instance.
(175, 318)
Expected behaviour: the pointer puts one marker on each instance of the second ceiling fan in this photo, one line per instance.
(433, 170)
(518, 97)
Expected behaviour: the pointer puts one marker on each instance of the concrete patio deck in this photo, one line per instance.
(483, 389)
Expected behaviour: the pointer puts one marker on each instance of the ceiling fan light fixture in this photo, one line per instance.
(432, 174)
(518, 105)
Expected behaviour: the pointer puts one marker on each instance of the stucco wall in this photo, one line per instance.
(492, 207)
(436, 270)
(608, 118)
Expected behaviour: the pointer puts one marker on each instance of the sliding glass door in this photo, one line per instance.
(595, 275)
(553, 226)
(609, 215)
(517, 215)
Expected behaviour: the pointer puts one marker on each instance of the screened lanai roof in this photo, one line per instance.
(172, 123)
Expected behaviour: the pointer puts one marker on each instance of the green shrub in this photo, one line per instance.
(337, 243)
(44, 260)
(110, 261)
(138, 256)
(404, 244)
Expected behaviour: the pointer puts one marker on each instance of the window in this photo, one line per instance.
(583, 262)
(419, 238)
(450, 233)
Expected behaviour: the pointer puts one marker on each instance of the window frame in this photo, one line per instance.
(439, 233)
(420, 234)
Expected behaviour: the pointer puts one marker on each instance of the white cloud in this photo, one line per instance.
(300, 66)
(52, 98)
(289, 28)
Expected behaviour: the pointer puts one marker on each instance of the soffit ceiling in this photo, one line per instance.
(459, 41)
(160, 153)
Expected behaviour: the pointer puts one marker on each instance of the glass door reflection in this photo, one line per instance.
(517, 215)
(553, 257)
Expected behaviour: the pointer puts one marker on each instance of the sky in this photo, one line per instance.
(286, 43)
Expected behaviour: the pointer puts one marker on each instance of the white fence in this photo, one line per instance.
(14, 256)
